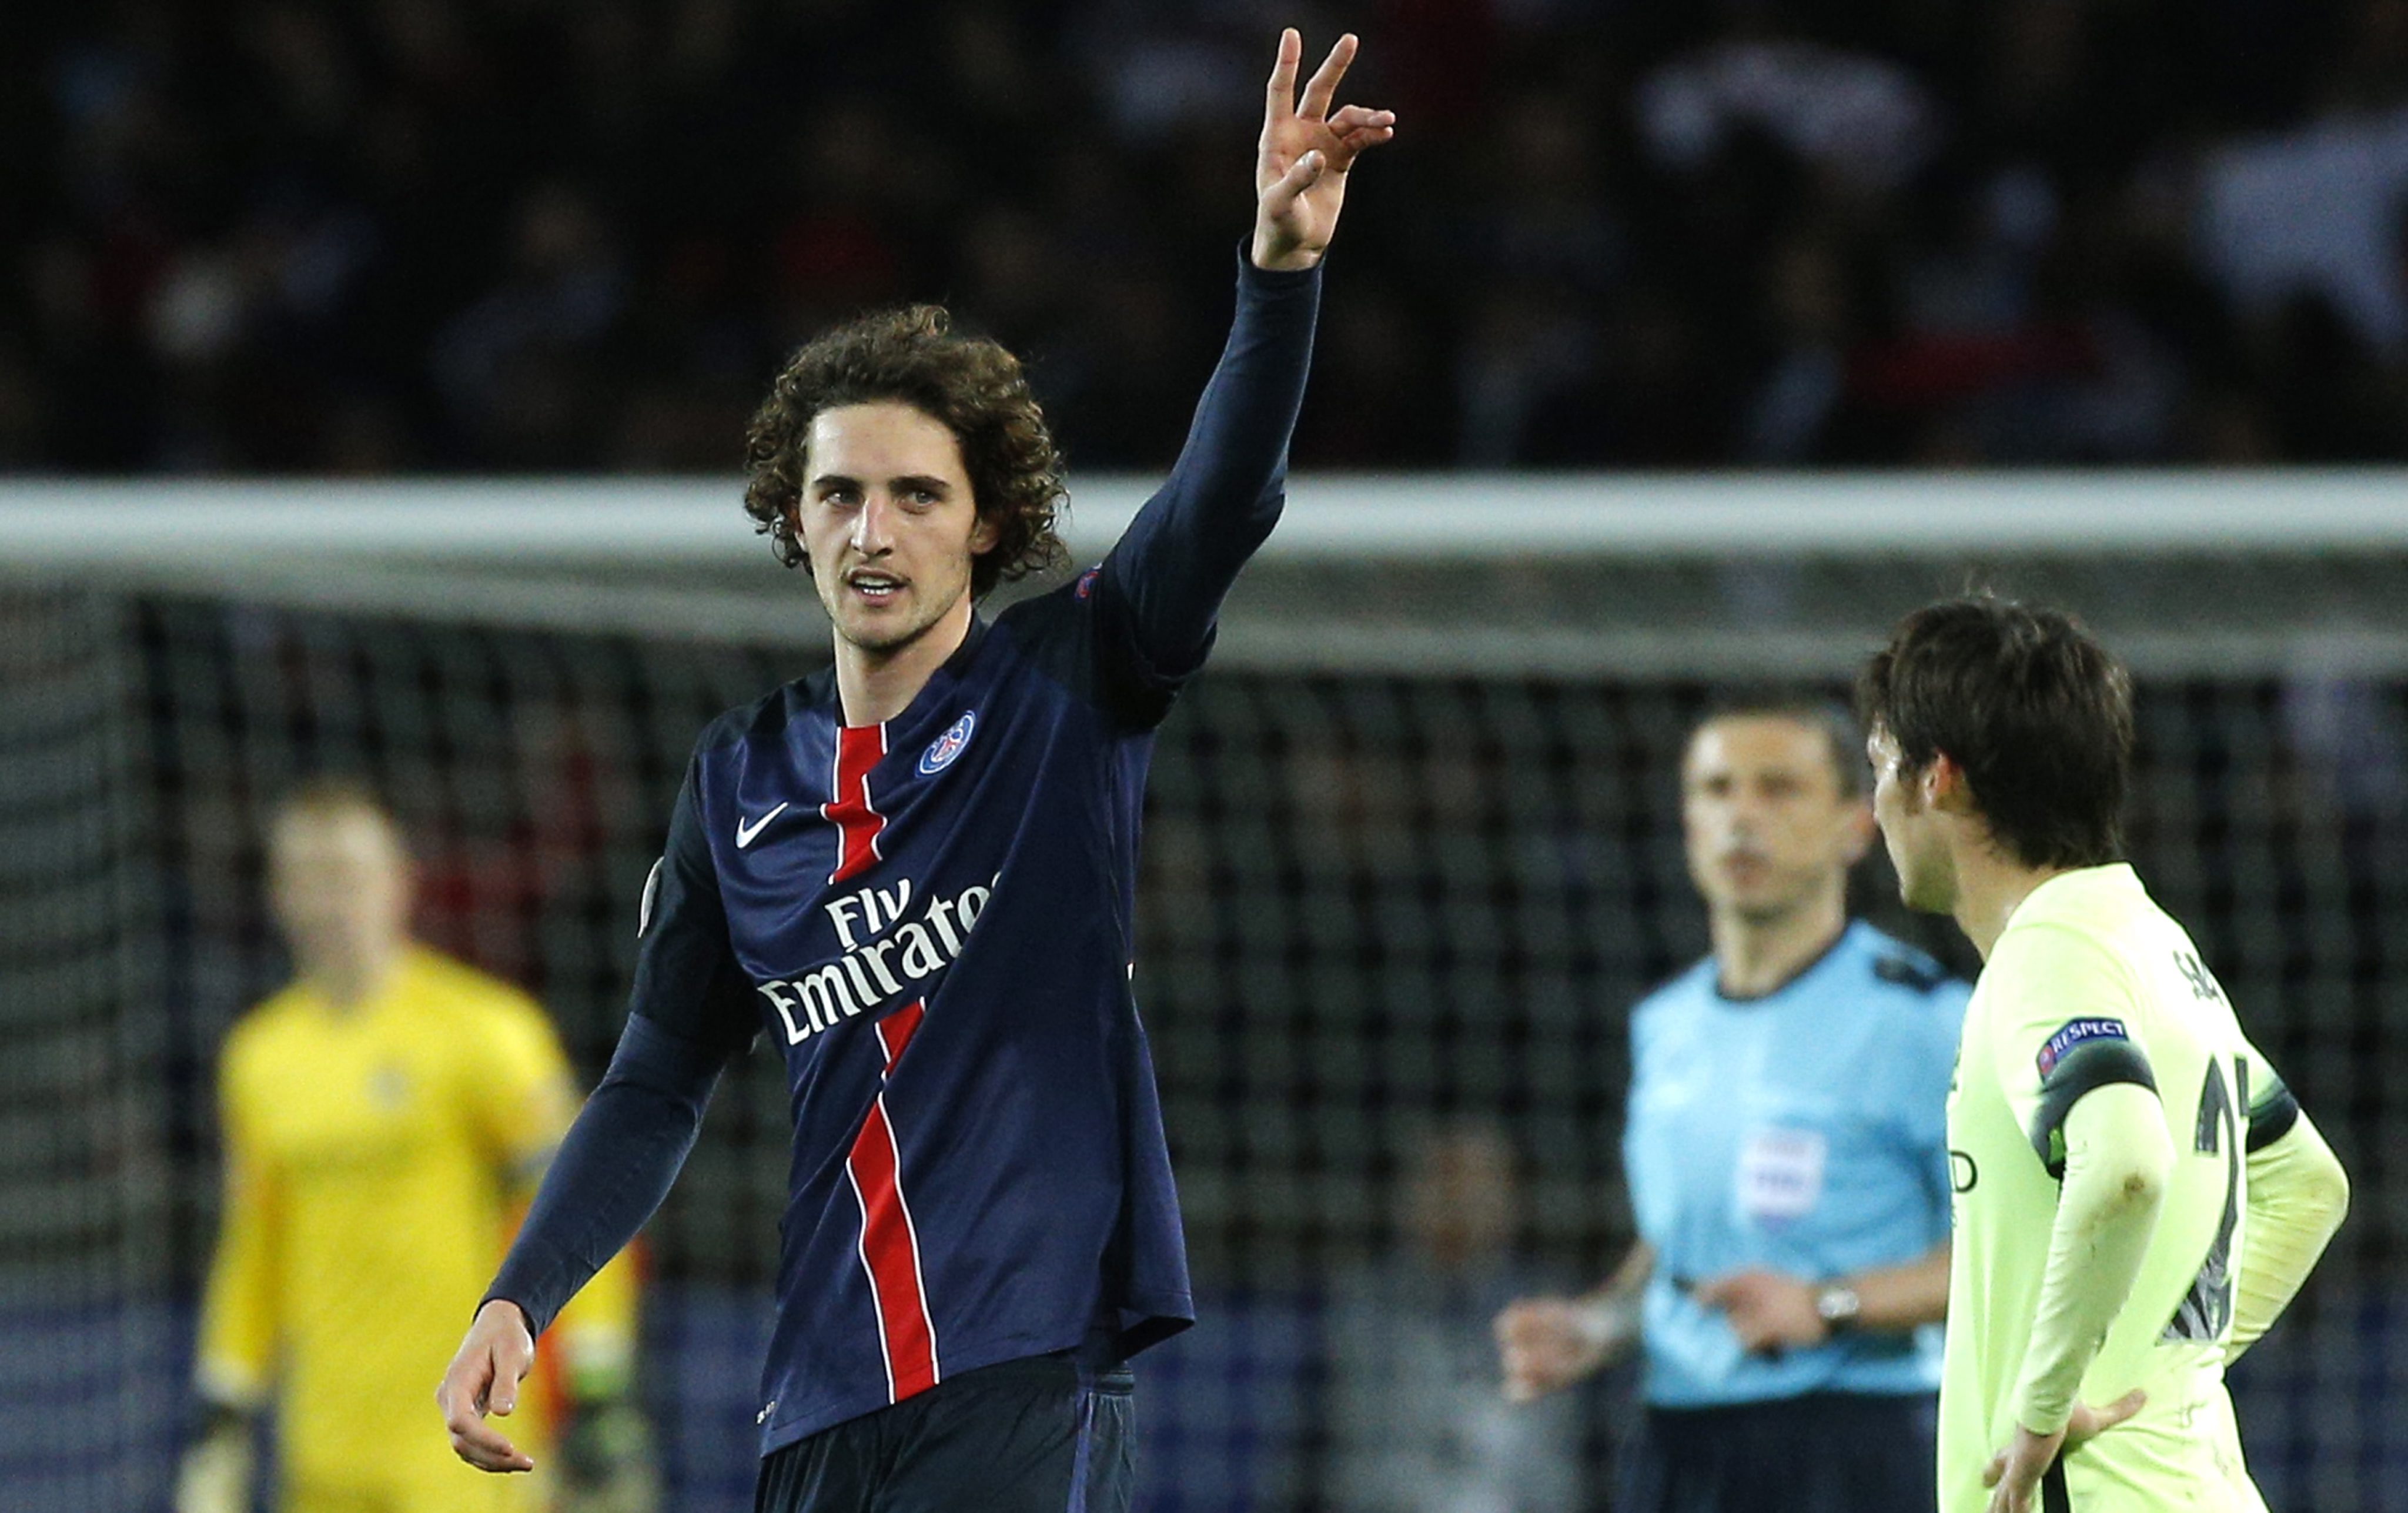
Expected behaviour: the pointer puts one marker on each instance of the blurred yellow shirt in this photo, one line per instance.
(377, 1158)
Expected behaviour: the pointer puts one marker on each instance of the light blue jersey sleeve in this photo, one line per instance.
(1804, 1132)
(1921, 1093)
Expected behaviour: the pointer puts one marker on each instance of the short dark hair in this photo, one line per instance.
(1811, 708)
(2036, 711)
(972, 384)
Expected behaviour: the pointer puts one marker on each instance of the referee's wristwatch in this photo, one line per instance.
(1836, 1303)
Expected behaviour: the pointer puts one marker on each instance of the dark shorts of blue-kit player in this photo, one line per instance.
(1825, 1453)
(1046, 1434)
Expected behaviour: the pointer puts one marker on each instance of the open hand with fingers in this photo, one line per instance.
(483, 1378)
(2014, 1472)
(1306, 151)
(1768, 1312)
(1547, 1344)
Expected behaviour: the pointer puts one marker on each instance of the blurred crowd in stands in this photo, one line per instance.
(403, 236)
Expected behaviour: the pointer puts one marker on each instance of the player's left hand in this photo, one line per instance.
(1768, 1312)
(483, 1378)
(2014, 1472)
(1306, 151)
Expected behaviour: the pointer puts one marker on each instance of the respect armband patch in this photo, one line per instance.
(2085, 1054)
(2074, 1033)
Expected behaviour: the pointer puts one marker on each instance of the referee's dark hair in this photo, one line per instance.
(2036, 711)
(1810, 707)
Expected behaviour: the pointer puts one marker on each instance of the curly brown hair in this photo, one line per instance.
(971, 384)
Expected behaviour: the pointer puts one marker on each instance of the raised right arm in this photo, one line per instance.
(1178, 558)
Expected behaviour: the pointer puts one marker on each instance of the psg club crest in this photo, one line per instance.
(942, 750)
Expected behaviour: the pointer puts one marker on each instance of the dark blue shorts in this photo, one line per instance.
(1046, 1434)
(1826, 1452)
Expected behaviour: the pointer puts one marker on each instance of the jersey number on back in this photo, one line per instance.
(2206, 1309)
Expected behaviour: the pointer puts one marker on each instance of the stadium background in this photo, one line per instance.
(1412, 846)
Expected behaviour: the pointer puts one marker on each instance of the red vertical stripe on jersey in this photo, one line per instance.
(858, 748)
(890, 1246)
(895, 1032)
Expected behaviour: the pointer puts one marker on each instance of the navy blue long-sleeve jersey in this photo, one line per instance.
(933, 918)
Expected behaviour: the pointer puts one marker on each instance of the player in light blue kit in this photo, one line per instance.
(1786, 1154)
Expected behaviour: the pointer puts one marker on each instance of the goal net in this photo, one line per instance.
(1413, 850)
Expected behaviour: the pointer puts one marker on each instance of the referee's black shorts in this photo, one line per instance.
(1825, 1453)
(1046, 1434)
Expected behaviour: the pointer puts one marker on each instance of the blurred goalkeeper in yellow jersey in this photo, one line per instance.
(386, 1116)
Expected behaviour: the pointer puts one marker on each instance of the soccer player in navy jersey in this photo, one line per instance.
(914, 872)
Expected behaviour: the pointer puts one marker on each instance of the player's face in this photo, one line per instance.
(1910, 828)
(340, 887)
(1769, 829)
(889, 522)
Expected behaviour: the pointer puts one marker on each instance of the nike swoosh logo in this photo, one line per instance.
(744, 834)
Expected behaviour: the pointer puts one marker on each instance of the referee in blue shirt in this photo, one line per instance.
(1787, 1156)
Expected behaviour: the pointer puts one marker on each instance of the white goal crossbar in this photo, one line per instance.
(1541, 574)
